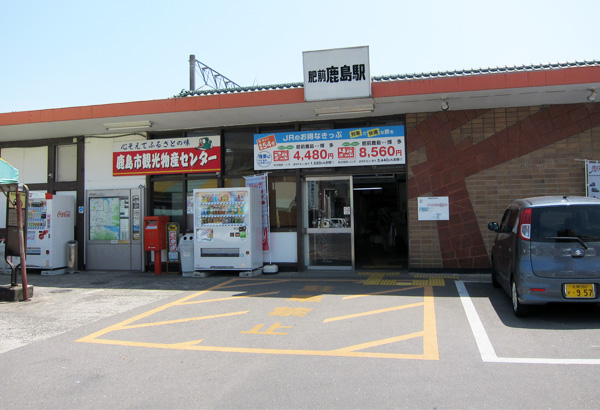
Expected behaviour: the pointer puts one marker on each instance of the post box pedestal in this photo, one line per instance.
(155, 238)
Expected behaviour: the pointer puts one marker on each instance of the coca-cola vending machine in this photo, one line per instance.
(50, 225)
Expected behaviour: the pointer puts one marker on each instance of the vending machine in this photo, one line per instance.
(228, 229)
(50, 225)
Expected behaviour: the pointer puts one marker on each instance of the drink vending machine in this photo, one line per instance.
(228, 230)
(50, 225)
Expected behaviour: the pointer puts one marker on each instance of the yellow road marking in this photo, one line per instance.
(256, 283)
(126, 322)
(383, 292)
(306, 298)
(429, 282)
(224, 349)
(429, 333)
(269, 331)
(424, 275)
(229, 298)
(189, 319)
(373, 312)
(381, 342)
(190, 343)
(430, 344)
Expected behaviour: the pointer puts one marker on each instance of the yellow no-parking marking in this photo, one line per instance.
(428, 334)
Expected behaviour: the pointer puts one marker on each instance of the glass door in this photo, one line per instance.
(328, 223)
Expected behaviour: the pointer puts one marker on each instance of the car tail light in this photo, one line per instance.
(525, 224)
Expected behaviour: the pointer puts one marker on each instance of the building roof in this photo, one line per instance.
(484, 88)
(403, 77)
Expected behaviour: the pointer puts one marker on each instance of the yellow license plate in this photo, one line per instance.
(580, 290)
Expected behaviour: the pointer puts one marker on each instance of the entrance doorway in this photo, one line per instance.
(380, 223)
(355, 222)
(328, 223)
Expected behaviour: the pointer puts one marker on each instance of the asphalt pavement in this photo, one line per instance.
(311, 340)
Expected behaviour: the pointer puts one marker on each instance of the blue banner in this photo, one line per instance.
(330, 148)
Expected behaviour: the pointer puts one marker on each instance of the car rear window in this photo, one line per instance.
(555, 222)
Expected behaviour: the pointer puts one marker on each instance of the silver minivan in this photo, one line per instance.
(547, 249)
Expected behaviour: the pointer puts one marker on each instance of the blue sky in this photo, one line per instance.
(63, 53)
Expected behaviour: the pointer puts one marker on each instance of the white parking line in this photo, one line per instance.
(486, 349)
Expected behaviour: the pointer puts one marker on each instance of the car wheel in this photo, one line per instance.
(495, 282)
(519, 309)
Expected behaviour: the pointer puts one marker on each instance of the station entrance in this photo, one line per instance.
(355, 222)
(380, 222)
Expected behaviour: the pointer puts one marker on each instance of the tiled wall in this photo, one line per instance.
(481, 160)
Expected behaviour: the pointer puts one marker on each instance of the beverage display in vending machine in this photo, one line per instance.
(50, 225)
(228, 229)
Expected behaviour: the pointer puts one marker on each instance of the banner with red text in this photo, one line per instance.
(330, 148)
(167, 156)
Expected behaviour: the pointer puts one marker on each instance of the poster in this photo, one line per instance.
(434, 208)
(330, 148)
(260, 182)
(105, 219)
(593, 179)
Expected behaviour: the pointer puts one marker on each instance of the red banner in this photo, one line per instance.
(170, 156)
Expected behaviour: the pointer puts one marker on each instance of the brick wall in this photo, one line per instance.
(481, 160)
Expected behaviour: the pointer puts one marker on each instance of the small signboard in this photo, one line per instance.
(336, 74)
(593, 179)
(434, 208)
(172, 238)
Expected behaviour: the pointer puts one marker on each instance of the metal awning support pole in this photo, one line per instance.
(22, 244)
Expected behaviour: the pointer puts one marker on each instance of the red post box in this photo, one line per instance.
(155, 238)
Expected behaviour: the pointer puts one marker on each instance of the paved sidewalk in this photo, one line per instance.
(64, 302)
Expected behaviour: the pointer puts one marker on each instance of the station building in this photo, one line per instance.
(469, 142)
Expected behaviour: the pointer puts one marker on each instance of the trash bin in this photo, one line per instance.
(71, 256)
(186, 253)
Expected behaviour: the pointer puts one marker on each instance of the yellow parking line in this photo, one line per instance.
(189, 343)
(429, 332)
(430, 343)
(222, 349)
(121, 325)
(229, 298)
(255, 282)
(383, 292)
(381, 342)
(189, 319)
(373, 312)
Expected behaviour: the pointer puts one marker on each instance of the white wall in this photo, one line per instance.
(98, 164)
(283, 248)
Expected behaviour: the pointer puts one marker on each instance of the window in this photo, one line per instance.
(66, 163)
(168, 200)
(235, 182)
(239, 152)
(282, 202)
(191, 185)
(580, 221)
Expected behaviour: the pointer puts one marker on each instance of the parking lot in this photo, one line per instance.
(343, 337)
(335, 317)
